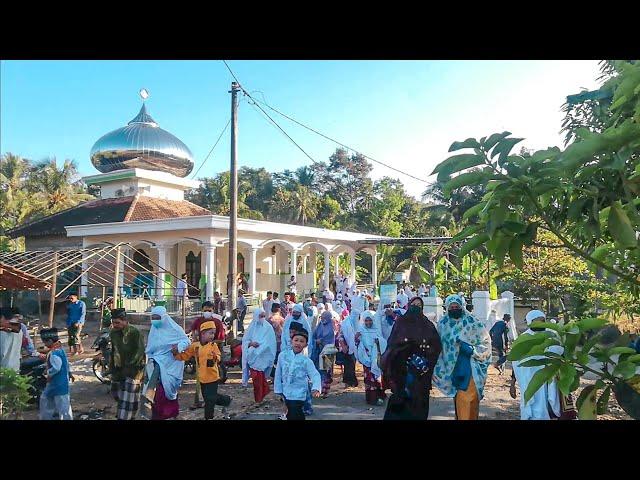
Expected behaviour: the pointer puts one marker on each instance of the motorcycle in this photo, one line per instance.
(100, 364)
(36, 369)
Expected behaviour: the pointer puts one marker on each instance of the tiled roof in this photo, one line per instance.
(149, 208)
(109, 210)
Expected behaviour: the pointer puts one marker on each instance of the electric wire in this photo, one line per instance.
(212, 148)
(256, 102)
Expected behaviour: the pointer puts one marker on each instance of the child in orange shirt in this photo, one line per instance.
(207, 355)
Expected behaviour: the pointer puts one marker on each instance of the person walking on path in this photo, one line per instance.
(76, 312)
(545, 404)
(267, 302)
(194, 329)
(55, 401)
(241, 310)
(258, 354)
(408, 363)
(277, 322)
(346, 345)
(207, 355)
(324, 338)
(126, 365)
(164, 372)
(294, 372)
(218, 304)
(298, 316)
(371, 344)
(461, 371)
(500, 341)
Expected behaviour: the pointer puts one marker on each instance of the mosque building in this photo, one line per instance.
(142, 182)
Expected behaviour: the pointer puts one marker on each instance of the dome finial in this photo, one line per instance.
(144, 94)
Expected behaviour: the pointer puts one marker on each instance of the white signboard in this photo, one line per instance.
(388, 293)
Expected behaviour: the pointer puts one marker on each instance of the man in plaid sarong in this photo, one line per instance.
(127, 364)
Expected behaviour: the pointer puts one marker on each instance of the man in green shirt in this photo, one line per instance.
(126, 364)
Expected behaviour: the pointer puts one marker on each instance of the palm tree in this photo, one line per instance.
(305, 202)
(13, 170)
(305, 176)
(458, 202)
(215, 195)
(57, 188)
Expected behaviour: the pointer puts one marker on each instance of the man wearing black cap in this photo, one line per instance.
(55, 401)
(126, 364)
(293, 373)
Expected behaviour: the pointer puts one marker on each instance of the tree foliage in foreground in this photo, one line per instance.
(587, 196)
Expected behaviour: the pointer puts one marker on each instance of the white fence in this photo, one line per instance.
(483, 307)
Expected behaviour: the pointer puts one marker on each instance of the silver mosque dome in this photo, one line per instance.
(142, 144)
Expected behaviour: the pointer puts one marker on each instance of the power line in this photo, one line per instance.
(267, 115)
(317, 132)
(212, 148)
(342, 144)
(273, 122)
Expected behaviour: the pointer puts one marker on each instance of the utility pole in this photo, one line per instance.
(232, 292)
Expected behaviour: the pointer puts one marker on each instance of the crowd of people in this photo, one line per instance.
(292, 347)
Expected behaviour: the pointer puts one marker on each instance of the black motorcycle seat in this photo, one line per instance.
(29, 363)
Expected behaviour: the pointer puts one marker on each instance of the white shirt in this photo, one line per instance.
(293, 373)
(181, 291)
(402, 299)
(10, 345)
(266, 305)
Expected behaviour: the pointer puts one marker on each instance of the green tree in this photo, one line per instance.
(587, 195)
(305, 204)
(55, 189)
(214, 194)
(346, 179)
(258, 186)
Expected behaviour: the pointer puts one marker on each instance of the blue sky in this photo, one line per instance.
(404, 113)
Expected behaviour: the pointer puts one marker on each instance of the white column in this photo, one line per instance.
(274, 265)
(163, 263)
(84, 279)
(481, 305)
(304, 263)
(374, 269)
(293, 266)
(326, 270)
(314, 259)
(126, 252)
(210, 267)
(433, 305)
(511, 310)
(353, 268)
(252, 271)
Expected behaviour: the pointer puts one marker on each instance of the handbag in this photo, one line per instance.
(567, 407)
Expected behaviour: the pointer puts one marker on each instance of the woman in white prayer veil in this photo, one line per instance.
(371, 344)
(258, 354)
(165, 333)
(545, 403)
(347, 347)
